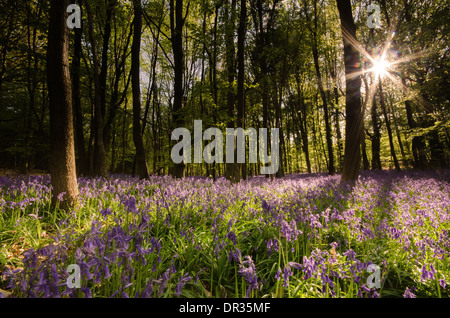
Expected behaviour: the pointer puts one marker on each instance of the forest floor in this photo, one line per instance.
(305, 235)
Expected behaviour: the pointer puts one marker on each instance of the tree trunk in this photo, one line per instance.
(397, 132)
(315, 48)
(333, 72)
(115, 99)
(176, 27)
(240, 78)
(214, 86)
(354, 118)
(62, 158)
(83, 164)
(302, 124)
(99, 154)
(366, 164)
(232, 169)
(375, 138)
(141, 162)
(388, 126)
(279, 125)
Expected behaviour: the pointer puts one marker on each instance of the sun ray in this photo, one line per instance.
(382, 67)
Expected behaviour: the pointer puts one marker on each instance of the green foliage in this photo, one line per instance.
(279, 69)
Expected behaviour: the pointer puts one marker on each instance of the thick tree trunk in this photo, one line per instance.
(354, 118)
(176, 27)
(62, 157)
(141, 162)
(83, 164)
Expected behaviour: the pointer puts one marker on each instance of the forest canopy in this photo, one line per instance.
(257, 63)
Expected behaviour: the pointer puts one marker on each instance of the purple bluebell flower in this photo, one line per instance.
(106, 212)
(286, 274)
(232, 236)
(114, 294)
(409, 293)
(148, 290)
(278, 274)
(130, 204)
(61, 196)
(427, 274)
(87, 292)
(272, 246)
(350, 254)
(181, 282)
(249, 274)
(295, 265)
(236, 255)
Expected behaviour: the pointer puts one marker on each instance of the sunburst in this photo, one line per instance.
(384, 66)
(380, 67)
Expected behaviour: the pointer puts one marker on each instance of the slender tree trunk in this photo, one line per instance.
(241, 75)
(333, 71)
(232, 169)
(62, 158)
(214, 87)
(375, 138)
(141, 162)
(33, 140)
(315, 49)
(104, 64)
(124, 138)
(303, 124)
(354, 118)
(117, 99)
(279, 124)
(397, 132)
(99, 152)
(315, 142)
(366, 164)
(388, 126)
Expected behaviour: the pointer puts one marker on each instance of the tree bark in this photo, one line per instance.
(354, 118)
(375, 137)
(62, 158)
(303, 124)
(232, 169)
(241, 75)
(315, 50)
(333, 73)
(176, 27)
(83, 164)
(141, 162)
(99, 152)
(388, 126)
